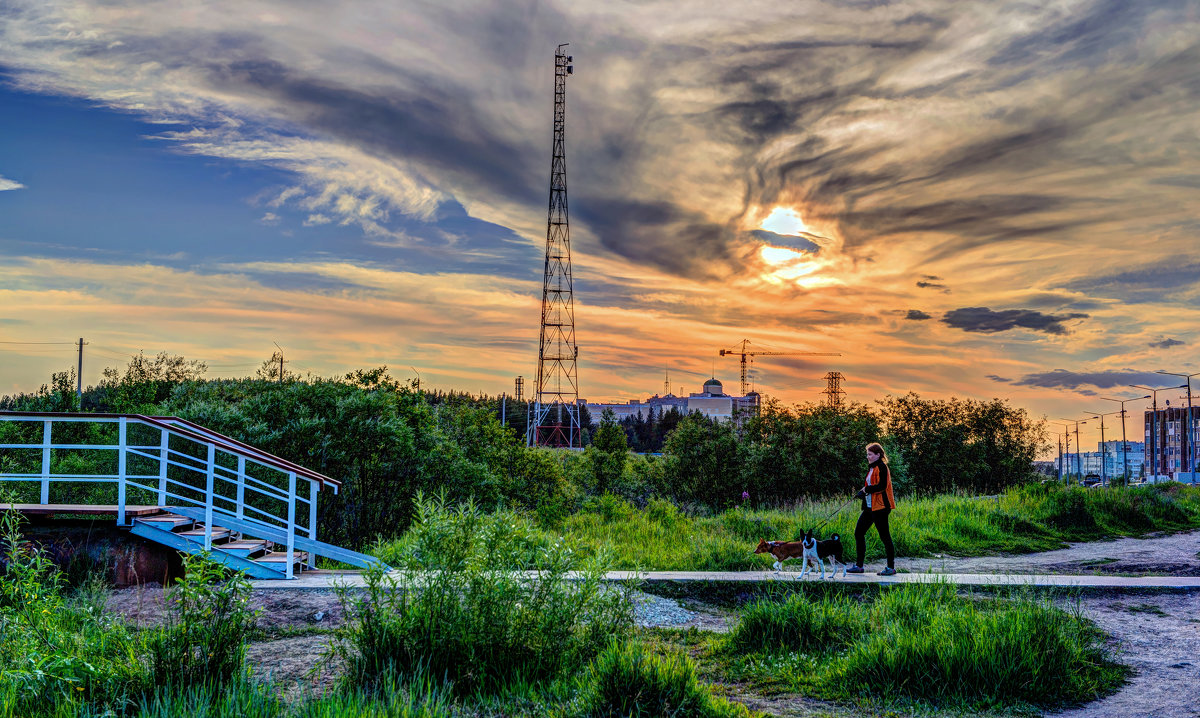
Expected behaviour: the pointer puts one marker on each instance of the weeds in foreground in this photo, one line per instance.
(625, 680)
(924, 642)
(58, 654)
(463, 611)
(205, 641)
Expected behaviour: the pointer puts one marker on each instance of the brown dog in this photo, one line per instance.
(781, 550)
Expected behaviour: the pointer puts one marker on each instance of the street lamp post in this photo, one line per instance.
(1103, 450)
(1190, 456)
(1067, 434)
(1078, 457)
(1156, 426)
(1124, 443)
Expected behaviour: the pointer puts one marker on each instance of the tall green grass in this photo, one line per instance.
(926, 643)
(471, 613)
(1028, 519)
(627, 682)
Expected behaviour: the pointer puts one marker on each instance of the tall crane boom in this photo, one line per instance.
(747, 358)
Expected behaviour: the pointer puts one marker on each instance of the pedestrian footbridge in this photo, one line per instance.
(173, 482)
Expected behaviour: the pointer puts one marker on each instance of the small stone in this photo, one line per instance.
(318, 615)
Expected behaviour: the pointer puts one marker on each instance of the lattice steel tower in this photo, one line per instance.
(556, 394)
(833, 390)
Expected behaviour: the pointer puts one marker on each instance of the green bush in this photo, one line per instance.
(58, 653)
(626, 681)
(205, 641)
(471, 614)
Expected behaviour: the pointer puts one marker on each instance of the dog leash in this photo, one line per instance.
(832, 515)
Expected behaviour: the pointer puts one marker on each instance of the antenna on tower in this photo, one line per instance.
(666, 381)
(556, 393)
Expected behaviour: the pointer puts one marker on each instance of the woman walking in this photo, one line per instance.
(877, 503)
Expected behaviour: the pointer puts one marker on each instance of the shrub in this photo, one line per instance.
(626, 681)
(470, 613)
(798, 623)
(57, 653)
(205, 642)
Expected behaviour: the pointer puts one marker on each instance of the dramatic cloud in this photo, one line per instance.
(1003, 380)
(7, 184)
(982, 319)
(1029, 152)
(1061, 378)
(1166, 343)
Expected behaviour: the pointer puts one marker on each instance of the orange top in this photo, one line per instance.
(879, 487)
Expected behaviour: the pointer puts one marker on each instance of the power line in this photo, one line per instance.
(67, 343)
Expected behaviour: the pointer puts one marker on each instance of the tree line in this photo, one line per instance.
(387, 440)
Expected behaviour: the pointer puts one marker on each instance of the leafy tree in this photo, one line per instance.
(809, 450)
(704, 461)
(145, 383)
(981, 446)
(607, 454)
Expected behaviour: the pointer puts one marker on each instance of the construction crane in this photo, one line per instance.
(747, 357)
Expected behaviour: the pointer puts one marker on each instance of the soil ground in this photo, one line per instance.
(1157, 634)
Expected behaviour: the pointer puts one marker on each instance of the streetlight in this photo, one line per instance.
(1190, 457)
(1067, 434)
(1103, 451)
(1157, 424)
(1124, 443)
(1078, 458)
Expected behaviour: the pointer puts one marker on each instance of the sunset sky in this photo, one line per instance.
(974, 199)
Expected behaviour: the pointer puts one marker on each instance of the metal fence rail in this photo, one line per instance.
(188, 465)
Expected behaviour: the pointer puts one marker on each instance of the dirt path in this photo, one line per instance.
(1159, 637)
(1172, 554)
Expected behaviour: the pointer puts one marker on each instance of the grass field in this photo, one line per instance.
(1025, 520)
(915, 648)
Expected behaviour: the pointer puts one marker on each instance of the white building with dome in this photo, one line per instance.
(711, 401)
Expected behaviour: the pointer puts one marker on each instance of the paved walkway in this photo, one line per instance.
(324, 580)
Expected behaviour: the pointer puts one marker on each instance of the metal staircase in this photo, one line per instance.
(206, 491)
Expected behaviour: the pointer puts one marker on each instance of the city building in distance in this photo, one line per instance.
(711, 401)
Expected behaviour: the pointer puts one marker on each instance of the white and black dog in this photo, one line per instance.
(817, 551)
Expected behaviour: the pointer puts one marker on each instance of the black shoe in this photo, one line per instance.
(855, 569)
(889, 571)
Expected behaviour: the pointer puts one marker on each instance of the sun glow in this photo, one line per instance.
(785, 221)
(791, 266)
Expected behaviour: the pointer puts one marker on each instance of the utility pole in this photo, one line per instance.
(1124, 442)
(1078, 454)
(1103, 448)
(79, 375)
(1067, 434)
(280, 361)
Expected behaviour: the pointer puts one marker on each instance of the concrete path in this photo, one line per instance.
(325, 580)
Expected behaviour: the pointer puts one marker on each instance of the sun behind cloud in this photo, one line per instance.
(785, 221)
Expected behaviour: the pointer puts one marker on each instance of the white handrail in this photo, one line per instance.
(166, 487)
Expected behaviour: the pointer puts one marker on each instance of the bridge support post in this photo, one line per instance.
(312, 520)
(163, 446)
(291, 524)
(122, 448)
(46, 435)
(240, 510)
(208, 496)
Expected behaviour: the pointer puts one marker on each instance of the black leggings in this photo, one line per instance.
(880, 519)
